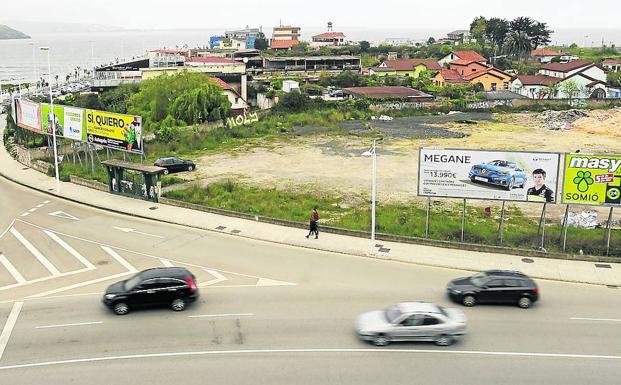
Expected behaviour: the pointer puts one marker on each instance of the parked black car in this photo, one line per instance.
(173, 164)
(494, 286)
(168, 286)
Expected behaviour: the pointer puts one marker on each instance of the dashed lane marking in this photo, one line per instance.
(595, 319)
(66, 325)
(221, 315)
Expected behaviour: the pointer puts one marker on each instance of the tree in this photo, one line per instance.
(569, 88)
(478, 29)
(300, 49)
(261, 42)
(496, 32)
(431, 40)
(200, 104)
(365, 46)
(518, 44)
(295, 102)
(540, 35)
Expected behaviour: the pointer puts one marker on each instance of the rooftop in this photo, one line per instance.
(329, 35)
(545, 52)
(469, 55)
(283, 44)
(538, 80)
(211, 59)
(408, 64)
(133, 166)
(566, 67)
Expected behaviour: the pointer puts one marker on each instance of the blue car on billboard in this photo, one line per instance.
(499, 173)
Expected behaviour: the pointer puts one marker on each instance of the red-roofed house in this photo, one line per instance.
(445, 77)
(564, 70)
(466, 67)
(328, 38)
(238, 104)
(612, 64)
(463, 55)
(283, 45)
(545, 55)
(490, 78)
(405, 67)
(549, 87)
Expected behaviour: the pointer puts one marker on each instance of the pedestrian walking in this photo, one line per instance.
(313, 229)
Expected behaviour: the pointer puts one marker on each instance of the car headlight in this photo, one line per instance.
(110, 296)
(455, 291)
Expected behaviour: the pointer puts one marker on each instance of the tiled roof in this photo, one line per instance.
(490, 70)
(538, 80)
(221, 83)
(469, 55)
(612, 61)
(387, 92)
(544, 52)
(464, 62)
(328, 35)
(212, 59)
(408, 64)
(284, 43)
(451, 76)
(566, 67)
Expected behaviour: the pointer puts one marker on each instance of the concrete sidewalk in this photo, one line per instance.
(554, 269)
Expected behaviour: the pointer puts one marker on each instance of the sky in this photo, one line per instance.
(373, 14)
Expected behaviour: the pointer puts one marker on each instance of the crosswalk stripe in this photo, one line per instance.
(48, 265)
(70, 249)
(9, 266)
(119, 259)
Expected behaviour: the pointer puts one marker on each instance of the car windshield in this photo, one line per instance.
(392, 313)
(132, 282)
(478, 279)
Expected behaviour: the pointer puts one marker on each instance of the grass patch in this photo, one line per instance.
(168, 180)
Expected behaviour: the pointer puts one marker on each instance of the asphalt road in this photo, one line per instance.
(268, 314)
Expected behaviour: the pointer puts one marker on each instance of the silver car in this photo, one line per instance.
(412, 321)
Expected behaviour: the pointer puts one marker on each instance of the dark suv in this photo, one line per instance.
(175, 165)
(167, 286)
(494, 286)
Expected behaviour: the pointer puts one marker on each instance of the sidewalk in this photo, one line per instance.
(543, 268)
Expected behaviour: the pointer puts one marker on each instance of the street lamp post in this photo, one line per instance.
(53, 120)
(34, 68)
(372, 153)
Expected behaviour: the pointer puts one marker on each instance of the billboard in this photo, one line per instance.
(592, 180)
(492, 175)
(28, 115)
(69, 121)
(116, 131)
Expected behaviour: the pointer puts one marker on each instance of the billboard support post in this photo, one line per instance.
(609, 228)
(542, 226)
(502, 221)
(427, 218)
(565, 225)
(463, 221)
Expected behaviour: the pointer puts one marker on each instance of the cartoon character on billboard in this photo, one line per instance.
(133, 134)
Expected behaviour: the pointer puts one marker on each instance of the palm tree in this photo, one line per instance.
(518, 44)
(56, 77)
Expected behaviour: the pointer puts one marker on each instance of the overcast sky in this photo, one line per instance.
(375, 14)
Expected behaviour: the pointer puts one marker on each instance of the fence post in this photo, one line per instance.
(542, 226)
(463, 220)
(427, 219)
(609, 230)
(565, 218)
(501, 224)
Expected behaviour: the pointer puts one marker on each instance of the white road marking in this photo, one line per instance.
(70, 249)
(311, 351)
(9, 325)
(62, 214)
(596, 319)
(221, 315)
(7, 229)
(64, 325)
(42, 279)
(81, 284)
(129, 230)
(33, 210)
(48, 265)
(166, 262)
(46, 202)
(25, 214)
(9, 266)
(120, 259)
(219, 278)
(273, 282)
(40, 205)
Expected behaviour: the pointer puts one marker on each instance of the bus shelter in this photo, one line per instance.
(134, 179)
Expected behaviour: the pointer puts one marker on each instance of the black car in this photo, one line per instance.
(494, 286)
(167, 286)
(173, 164)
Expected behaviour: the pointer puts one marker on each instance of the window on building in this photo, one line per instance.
(494, 86)
(505, 85)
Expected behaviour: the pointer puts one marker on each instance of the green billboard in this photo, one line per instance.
(592, 180)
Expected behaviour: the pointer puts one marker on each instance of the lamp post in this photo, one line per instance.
(372, 154)
(53, 120)
(34, 68)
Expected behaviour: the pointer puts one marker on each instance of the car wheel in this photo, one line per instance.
(380, 340)
(443, 340)
(121, 308)
(190, 168)
(178, 305)
(525, 302)
(473, 180)
(511, 183)
(469, 301)
(166, 171)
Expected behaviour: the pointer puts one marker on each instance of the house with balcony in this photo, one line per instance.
(460, 36)
(405, 67)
